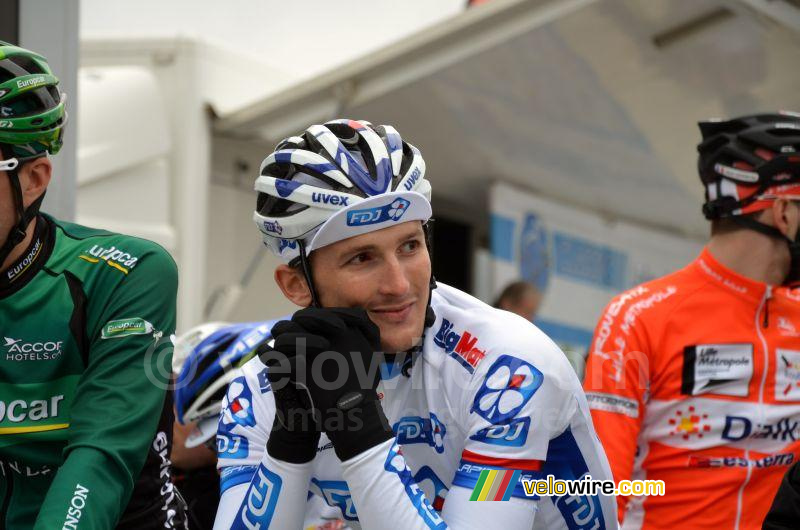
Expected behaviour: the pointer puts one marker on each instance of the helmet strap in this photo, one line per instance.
(305, 266)
(793, 244)
(25, 216)
(430, 316)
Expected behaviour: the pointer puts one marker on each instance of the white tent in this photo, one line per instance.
(590, 103)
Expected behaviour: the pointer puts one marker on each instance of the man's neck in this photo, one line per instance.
(17, 251)
(754, 255)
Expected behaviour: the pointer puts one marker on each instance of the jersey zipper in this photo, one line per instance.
(763, 306)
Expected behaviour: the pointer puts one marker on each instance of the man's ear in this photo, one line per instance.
(293, 285)
(784, 215)
(34, 177)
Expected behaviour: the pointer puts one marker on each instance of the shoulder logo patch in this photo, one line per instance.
(125, 327)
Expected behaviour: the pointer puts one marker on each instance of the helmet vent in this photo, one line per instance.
(25, 63)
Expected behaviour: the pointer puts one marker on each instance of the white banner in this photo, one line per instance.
(577, 260)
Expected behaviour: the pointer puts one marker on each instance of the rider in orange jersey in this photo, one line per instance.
(694, 378)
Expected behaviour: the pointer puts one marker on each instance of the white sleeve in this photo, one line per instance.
(385, 493)
(274, 498)
(387, 497)
(257, 492)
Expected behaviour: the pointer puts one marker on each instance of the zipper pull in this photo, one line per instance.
(767, 295)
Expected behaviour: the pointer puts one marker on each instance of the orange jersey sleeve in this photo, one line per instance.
(617, 381)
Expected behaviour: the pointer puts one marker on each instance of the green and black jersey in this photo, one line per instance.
(86, 320)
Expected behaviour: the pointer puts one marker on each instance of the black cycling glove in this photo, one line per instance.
(295, 436)
(341, 371)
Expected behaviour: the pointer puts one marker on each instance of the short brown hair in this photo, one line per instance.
(513, 293)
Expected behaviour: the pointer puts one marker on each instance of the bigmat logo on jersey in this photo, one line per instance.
(461, 347)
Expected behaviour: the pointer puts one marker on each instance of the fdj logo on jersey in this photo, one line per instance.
(580, 511)
(237, 410)
(239, 407)
(261, 498)
(436, 490)
(512, 434)
(459, 347)
(370, 216)
(509, 384)
(336, 493)
(396, 464)
(416, 430)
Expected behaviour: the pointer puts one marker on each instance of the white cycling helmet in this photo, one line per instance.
(338, 180)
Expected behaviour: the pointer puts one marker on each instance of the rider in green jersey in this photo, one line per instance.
(86, 319)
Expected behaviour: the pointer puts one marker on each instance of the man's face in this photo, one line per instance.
(386, 272)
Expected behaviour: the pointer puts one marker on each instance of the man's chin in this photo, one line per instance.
(400, 342)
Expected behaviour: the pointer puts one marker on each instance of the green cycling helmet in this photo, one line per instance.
(32, 113)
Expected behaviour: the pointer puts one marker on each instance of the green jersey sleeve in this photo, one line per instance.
(118, 400)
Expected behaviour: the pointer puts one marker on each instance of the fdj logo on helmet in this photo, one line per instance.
(370, 216)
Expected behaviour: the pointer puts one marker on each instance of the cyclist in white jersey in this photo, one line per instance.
(346, 206)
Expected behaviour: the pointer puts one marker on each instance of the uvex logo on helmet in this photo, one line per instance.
(409, 184)
(327, 198)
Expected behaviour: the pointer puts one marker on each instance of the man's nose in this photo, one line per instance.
(394, 280)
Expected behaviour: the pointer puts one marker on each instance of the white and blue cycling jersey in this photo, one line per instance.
(487, 390)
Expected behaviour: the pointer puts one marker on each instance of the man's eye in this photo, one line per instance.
(359, 258)
(410, 246)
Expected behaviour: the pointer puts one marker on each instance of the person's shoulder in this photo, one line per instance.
(653, 298)
(88, 251)
(482, 338)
